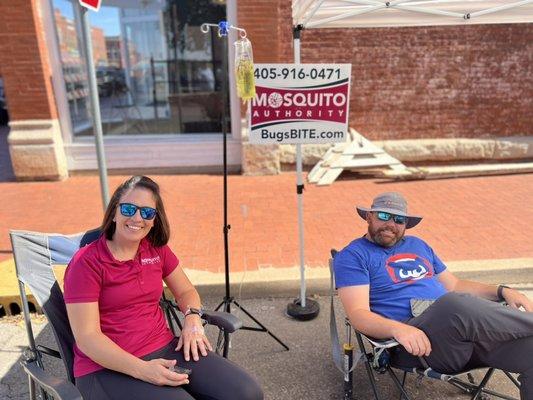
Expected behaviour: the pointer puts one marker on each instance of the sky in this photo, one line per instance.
(106, 18)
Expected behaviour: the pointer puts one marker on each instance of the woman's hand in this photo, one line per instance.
(193, 338)
(157, 372)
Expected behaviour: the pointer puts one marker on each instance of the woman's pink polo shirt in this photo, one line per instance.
(127, 293)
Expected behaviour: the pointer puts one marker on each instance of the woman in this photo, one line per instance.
(124, 348)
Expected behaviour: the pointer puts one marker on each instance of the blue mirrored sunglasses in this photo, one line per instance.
(129, 210)
(385, 216)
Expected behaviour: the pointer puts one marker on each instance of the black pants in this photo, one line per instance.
(213, 378)
(469, 332)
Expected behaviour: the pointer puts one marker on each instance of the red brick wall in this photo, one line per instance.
(261, 18)
(423, 82)
(24, 61)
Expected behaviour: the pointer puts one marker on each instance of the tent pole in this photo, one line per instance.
(302, 308)
(299, 191)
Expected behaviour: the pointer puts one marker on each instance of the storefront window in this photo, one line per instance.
(157, 73)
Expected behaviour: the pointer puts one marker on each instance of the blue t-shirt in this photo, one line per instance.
(395, 274)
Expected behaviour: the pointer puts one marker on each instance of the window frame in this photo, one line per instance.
(189, 152)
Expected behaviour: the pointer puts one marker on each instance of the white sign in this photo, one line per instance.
(300, 103)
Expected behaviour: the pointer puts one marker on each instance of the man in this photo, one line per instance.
(384, 276)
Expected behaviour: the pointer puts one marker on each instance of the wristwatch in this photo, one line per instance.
(500, 292)
(195, 311)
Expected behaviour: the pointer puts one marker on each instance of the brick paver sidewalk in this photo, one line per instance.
(465, 219)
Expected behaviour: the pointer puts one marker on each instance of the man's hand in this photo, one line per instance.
(412, 339)
(516, 299)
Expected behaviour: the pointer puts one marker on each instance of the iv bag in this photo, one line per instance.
(244, 69)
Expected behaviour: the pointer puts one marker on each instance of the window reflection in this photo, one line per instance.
(157, 73)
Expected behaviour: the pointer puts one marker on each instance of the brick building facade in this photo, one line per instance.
(407, 83)
(415, 82)
(35, 141)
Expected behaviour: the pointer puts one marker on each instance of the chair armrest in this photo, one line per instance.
(382, 343)
(225, 321)
(60, 388)
(379, 343)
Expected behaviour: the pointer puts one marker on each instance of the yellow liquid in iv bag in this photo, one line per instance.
(244, 74)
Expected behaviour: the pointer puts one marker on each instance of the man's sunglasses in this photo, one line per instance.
(385, 216)
(129, 210)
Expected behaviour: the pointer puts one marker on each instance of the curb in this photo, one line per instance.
(285, 282)
(282, 282)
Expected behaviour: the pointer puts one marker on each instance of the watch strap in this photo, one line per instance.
(500, 292)
(194, 311)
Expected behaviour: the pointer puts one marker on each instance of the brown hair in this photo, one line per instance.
(160, 232)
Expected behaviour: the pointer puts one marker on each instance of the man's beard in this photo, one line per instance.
(386, 241)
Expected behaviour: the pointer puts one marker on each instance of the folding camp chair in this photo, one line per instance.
(37, 257)
(378, 360)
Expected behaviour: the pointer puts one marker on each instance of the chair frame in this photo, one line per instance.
(378, 360)
(47, 386)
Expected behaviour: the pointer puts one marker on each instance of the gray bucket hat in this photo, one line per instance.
(393, 203)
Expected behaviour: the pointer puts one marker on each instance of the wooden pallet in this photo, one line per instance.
(359, 154)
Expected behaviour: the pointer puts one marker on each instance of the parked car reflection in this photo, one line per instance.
(110, 81)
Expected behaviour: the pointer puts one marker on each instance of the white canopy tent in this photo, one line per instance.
(312, 14)
(378, 13)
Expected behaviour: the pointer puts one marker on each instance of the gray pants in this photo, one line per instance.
(468, 332)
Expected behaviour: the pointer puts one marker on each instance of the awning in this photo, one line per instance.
(379, 13)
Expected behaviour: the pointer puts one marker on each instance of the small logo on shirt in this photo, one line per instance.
(153, 260)
(408, 268)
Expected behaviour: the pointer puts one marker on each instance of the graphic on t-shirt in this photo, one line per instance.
(408, 267)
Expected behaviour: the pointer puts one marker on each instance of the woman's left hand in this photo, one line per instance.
(193, 339)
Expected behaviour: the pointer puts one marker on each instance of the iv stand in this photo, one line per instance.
(223, 28)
